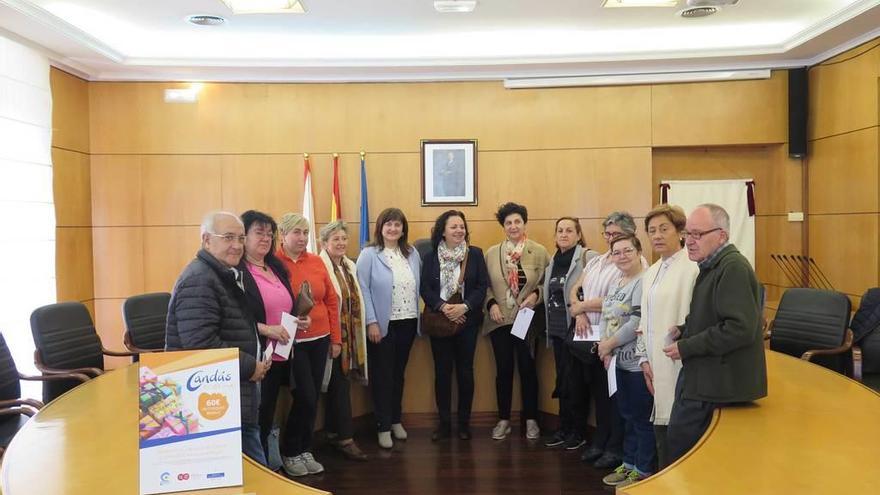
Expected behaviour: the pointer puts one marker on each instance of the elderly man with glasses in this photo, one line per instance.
(720, 344)
(208, 310)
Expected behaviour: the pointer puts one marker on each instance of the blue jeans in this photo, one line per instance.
(250, 443)
(635, 404)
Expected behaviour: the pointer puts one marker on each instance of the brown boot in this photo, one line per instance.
(350, 450)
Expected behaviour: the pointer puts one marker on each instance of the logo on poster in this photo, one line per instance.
(165, 478)
(183, 477)
(199, 378)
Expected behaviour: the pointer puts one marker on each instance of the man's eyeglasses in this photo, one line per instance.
(697, 235)
(230, 238)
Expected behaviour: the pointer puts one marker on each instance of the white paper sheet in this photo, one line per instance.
(592, 335)
(267, 353)
(289, 322)
(670, 338)
(612, 376)
(522, 322)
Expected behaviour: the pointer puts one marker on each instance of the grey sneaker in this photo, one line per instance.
(313, 466)
(501, 430)
(294, 466)
(385, 440)
(618, 476)
(533, 431)
(398, 431)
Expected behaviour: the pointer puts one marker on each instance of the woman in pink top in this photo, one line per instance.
(267, 287)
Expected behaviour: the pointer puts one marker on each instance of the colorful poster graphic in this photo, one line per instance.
(190, 420)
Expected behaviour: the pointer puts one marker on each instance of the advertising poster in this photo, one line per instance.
(190, 420)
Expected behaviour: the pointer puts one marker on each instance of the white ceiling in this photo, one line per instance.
(369, 40)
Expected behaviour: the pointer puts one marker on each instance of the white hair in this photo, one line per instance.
(719, 216)
(210, 220)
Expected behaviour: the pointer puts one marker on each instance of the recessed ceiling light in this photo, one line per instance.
(639, 3)
(446, 6)
(206, 20)
(265, 6)
(696, 12)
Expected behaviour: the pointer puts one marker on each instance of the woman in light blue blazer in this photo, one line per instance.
(388, 272)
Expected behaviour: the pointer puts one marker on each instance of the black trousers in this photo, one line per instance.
(388, 361)
(609, 423)
(457, 351)
(577, 400)
(337, 410)
(510, 350)
(687, 423)
(567, 421)
(278, 375)
(309, 362)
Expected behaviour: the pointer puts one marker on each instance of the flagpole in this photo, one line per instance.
(365, 205)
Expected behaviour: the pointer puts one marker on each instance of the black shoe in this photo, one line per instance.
(608, 461)
(442, 431)
(573, 442)
(591, 454)
(464, 432)
(556, 440)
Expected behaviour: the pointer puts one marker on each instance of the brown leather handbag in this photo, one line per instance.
(304, 302)
(435, 323)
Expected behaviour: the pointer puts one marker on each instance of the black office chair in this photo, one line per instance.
(144, 317)
(813, 324)
(66, 342)
(423, 246)
(15, 411)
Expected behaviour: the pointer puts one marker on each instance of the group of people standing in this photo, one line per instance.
(604, 314)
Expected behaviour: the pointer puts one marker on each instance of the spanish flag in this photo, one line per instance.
(335, 205)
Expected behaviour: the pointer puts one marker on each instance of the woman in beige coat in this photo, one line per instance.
(666, 298)
(516, 271)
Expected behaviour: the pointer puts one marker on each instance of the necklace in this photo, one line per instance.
(262, 267)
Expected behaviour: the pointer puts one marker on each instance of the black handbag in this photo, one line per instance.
(580, 349)
(435, 323)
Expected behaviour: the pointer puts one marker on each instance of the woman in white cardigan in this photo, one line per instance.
(666, 298)
(351, 364)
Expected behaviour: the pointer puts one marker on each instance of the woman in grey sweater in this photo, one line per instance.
(621, 312)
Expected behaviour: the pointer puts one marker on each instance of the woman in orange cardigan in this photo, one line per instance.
(311, 345)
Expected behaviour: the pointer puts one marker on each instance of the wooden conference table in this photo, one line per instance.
(86, 442)
(816, 432)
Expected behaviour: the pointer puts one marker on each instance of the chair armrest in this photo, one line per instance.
(55, 377)
(45, 370)
(857, 363)
(10, 411)
(21, 402)
(847, 345)
(109, 352)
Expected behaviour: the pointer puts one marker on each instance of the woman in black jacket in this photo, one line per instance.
(441, 272)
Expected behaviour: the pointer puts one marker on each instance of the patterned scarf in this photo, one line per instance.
(349, 321)
(512, 255)
(450, 259)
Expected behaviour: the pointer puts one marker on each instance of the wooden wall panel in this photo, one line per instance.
(73, 264)
(119, 261)
(167, 251)
(845, 247)
(734, 112)
(179, 190)
(70, 111)
(72, 186)
(273, 184)
(293, 118)
(843, 92)
(844, 174)
(108, 322)
(117, 190)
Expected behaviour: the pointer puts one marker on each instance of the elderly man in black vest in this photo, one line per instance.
(720, 344)
(208, 310)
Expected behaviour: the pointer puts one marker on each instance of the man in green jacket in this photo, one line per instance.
(720, 343)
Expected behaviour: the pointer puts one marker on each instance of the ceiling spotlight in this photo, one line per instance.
(696, 12)
(446, 6)
(205, 20)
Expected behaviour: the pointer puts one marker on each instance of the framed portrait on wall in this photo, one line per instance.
(449, 172)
